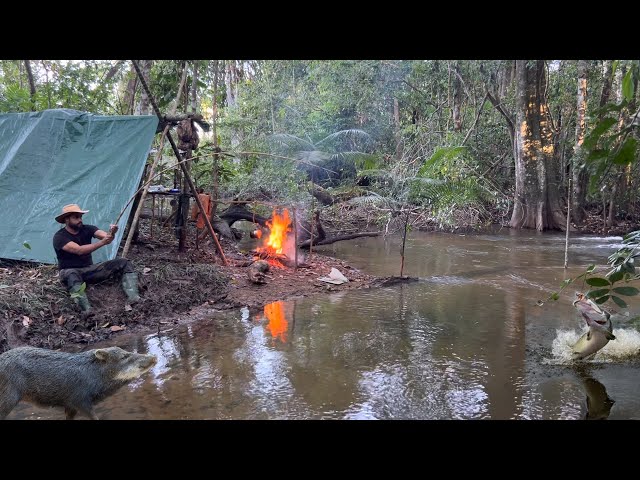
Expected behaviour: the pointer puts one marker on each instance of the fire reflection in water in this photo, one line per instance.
(278, 325)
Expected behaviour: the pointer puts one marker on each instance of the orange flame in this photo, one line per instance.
(278, 324)
(280, 225)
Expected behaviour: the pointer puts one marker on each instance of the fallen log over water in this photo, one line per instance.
(338, 238)
(238, 212)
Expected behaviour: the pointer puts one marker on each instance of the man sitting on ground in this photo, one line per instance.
(73, 246)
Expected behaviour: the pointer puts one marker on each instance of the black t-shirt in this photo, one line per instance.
(71, 260)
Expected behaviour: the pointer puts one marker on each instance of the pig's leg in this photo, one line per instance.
(9, 398)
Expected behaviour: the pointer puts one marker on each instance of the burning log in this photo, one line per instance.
(257, 271)
(304, 231)
(274, 259)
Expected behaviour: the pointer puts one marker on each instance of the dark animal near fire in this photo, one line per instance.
(257, 271)
(75, 381)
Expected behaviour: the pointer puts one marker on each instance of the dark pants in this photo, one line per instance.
(95, 273)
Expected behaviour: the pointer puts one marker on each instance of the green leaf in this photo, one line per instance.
(26, 245)
(445, 153)
(598, 282)
(628, 291)
(627, 86)
(591, 268)
(605, 124)
(597, 154)
(631, 236)
(627, 152)
(614, 67)
(601, 300)
(555, 296)
(616, 277)
(618, 301)
(566, 282)
(598, 293)
(609, 107)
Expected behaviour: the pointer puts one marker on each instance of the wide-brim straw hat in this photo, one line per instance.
(68, 210)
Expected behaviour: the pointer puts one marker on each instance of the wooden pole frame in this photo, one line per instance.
(185, 172)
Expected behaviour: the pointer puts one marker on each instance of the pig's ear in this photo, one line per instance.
(101, 354)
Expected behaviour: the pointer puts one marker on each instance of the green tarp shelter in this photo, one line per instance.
(52, 158)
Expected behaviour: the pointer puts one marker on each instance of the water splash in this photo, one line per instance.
(624, 347)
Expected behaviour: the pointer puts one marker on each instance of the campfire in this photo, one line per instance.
(279, 247)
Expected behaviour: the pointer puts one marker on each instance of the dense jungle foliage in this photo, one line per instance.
(449, 140)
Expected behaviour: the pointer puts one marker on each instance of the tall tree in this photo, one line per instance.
(233, 77)
(130, 92)
(536, 203)
(580, 177)
(32, 85)
(143, 106)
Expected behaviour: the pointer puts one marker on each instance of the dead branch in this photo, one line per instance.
(328, 241)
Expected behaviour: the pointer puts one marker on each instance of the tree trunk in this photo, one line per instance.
(580, 176)
(536, 204)
(612, 199)
(457, 99)
(607, 79)
(232, 78)
(32, 85)
(143, 106)
(194, 88)
(130, 93)
(216, 147)
(396, 126)
(184, 211)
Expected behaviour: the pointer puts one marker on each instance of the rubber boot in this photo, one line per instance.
(80, 297)
(130, 286)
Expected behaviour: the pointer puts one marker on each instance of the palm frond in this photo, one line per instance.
(374, 173)
(441, 154)
(312, 157)
(359, 159)
(352, 133)
(291, 142)
(460, 192)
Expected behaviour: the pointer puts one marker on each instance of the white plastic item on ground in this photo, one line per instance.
(335, 277)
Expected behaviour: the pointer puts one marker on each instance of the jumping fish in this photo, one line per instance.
(600, 328)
